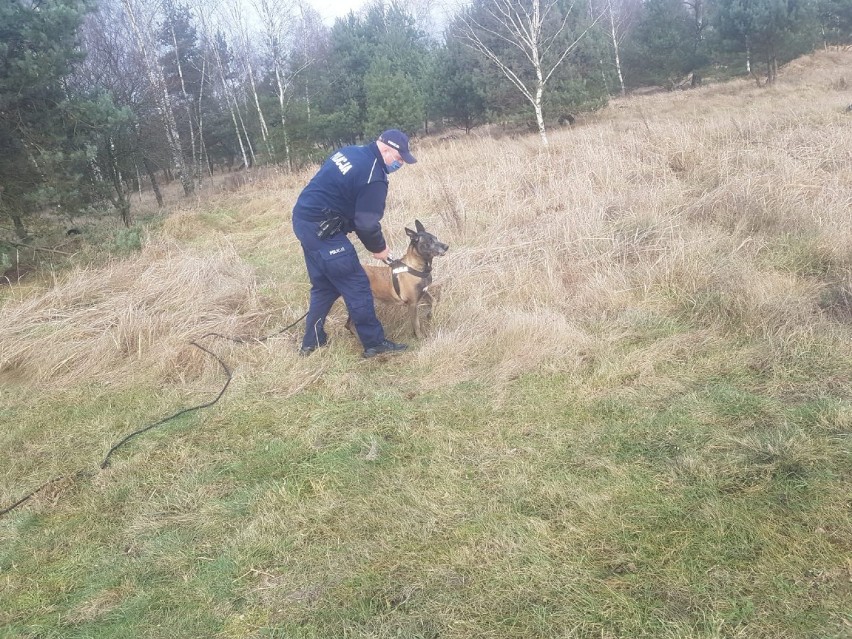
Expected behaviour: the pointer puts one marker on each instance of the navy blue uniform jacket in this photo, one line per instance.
(353, 183)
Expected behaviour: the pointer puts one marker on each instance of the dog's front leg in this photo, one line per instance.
(423, 302)
(426, 301)
(414, 311)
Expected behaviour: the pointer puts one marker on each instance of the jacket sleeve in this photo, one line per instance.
(369, 210)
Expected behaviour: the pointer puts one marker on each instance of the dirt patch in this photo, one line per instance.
(15, 274)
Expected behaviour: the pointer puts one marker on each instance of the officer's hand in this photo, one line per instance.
(383, 255)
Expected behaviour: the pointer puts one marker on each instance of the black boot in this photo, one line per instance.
(385, 346)
(307, 350)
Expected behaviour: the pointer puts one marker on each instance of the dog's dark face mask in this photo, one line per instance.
(426, 244)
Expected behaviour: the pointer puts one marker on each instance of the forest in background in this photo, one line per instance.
(103, 98)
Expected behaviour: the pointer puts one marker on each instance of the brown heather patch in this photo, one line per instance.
(133, 317)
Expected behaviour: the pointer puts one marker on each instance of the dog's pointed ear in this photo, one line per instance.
(418, 226)
(410, 233)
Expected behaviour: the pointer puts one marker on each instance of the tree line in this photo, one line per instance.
(101, 98)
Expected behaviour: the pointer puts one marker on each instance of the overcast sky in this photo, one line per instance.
(331, 9)
(437, 10)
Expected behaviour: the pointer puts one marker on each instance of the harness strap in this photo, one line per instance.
(398, 266)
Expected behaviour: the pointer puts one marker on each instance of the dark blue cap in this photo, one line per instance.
(398, 140)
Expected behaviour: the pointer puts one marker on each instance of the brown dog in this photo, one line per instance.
(406, 281)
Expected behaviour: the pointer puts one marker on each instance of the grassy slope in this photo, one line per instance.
(632, 418)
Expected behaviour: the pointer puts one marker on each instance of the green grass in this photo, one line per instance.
(380, 510)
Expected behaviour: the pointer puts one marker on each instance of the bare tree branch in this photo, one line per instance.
(521, 24)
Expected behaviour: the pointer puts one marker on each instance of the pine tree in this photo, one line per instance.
(456, 90)
(768, 30)
(384, 47)
(661, 48)
(393, 100)
(49, 134)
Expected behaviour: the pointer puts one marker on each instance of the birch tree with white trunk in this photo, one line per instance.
(146, 43)
(613, 31)
(246, 53)
(215, 39)
(187, 101)
(277, 20)
(532, 27)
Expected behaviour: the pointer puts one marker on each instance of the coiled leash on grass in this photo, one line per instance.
(227, 370)
(105, 462)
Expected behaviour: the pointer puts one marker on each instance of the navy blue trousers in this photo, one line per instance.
(335, 271)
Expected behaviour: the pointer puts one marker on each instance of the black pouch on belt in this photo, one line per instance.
(330, 227)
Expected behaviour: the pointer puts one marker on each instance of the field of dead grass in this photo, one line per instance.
(631, 417)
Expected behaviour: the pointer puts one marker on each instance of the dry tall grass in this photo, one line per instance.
(131, 318)
(730, 200)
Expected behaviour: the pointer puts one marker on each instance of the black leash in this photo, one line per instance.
(105, 462)
(224, 366)
(246, 340)
(55, 480)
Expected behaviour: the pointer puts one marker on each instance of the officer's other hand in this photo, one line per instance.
(382, 256)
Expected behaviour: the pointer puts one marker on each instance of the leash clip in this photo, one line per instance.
(397, 267)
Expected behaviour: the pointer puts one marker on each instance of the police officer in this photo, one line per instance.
(347, 194)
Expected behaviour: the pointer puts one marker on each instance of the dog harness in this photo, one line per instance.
(398, 266)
